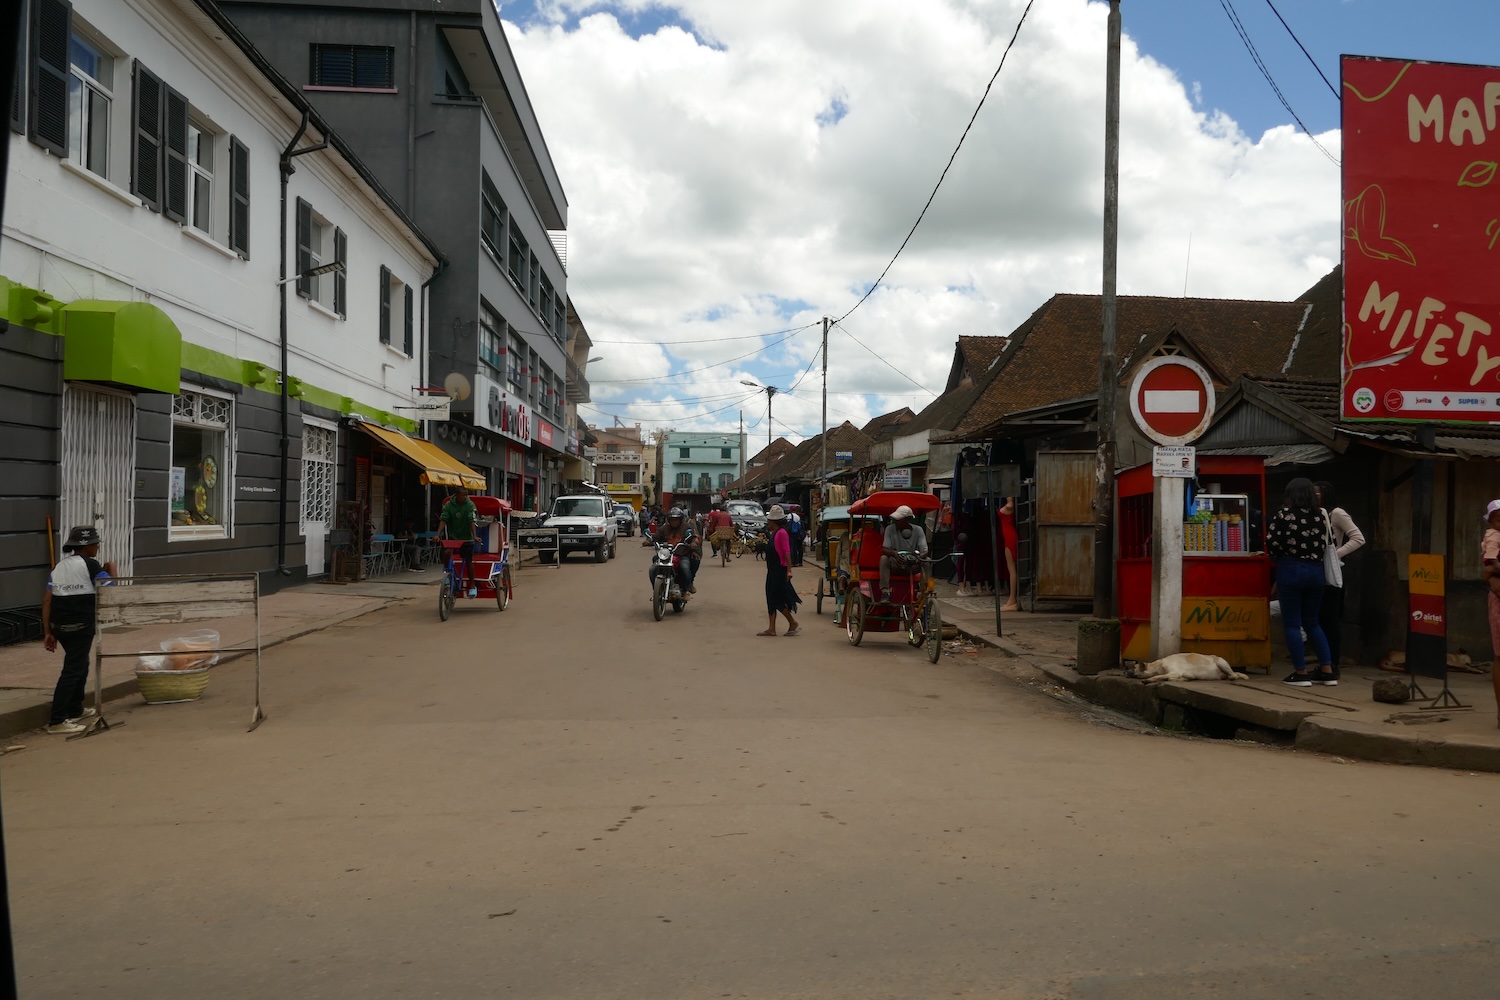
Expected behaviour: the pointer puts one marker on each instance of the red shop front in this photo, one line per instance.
(1226, 574)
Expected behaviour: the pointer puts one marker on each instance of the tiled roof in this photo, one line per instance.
(972, 357)
(888, 423)
(1321, 398)
(803, 463)
(1322, 342)
(1054, 355)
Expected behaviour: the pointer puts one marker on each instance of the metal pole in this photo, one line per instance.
(742, 453)
(769, 394)
(823, 447)
(993, 513)
(1104, 474)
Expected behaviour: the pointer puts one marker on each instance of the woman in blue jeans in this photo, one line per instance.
(1296, 536)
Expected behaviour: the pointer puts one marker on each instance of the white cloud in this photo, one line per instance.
(782, 159)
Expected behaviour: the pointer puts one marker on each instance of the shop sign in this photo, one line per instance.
(1427, 624)
(1225, 618)
(898, 479)
(1420, 235)
(843, 459)
(533, 464)
(1173, 463)
(500, 412)
(544, 432)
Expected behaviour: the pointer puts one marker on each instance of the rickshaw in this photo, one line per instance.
(913, 607)
(833, 549)
(491, 559)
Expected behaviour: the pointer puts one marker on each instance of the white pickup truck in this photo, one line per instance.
(583, 522)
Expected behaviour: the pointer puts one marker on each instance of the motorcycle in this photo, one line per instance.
(666, 588)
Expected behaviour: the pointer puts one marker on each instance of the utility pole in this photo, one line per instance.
(1104, 469)
(742, 453)
(823, 449)
(770, 392)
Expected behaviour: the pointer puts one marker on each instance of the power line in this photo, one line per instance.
(667, 420)
(694, 371)
(1239, 28)
(1331, 88)
(705, 340)
(883, 361)
(944, 174)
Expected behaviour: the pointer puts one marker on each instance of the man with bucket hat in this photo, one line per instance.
(68, 620)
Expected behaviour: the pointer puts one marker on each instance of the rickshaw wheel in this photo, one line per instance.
(445, 601)
(934, 627)
(502, 589)
(820, 595)
(855, 606)
(659, 598)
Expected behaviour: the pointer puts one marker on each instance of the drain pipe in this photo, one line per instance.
(286, 438)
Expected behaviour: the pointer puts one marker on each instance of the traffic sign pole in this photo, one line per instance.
(1172, 401)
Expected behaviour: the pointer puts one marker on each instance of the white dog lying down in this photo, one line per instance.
(1186, 667)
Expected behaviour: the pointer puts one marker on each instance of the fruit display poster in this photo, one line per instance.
(1421, 246)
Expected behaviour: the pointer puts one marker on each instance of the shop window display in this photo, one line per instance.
(199, 475)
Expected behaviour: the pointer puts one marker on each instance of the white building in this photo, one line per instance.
(140, 247)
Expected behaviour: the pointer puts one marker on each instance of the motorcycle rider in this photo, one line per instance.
(679, 530)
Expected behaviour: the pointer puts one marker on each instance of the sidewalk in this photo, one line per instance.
(1343, 720)
(28, 672)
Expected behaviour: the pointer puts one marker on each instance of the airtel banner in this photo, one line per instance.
(1421, 241)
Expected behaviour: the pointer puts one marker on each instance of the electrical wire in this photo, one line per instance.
(923, 214)
(883, 361)
(694, 371)
(706, 340)
(1239, 28)
(1331, 88)
(665, 420)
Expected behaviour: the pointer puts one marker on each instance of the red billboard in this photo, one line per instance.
(1421, 242)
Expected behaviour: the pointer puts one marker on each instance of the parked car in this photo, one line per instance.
(625, 519)
(584, 522)
(746, 514)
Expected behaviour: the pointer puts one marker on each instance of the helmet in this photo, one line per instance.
(676, 514)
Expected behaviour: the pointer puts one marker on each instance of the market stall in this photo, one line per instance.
(1226, 574)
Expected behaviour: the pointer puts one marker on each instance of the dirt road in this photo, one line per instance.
(570, 800)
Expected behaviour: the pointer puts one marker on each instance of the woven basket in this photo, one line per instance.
(167, 687)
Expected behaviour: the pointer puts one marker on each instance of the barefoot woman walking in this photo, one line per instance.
(779, 593)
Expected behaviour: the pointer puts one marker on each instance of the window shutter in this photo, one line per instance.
(340, 278)
(145, 173)
(52, 28)
(406, 340)
(18, 95)
(175, 129)
(239, 197)
(385, 305)
(304, 248)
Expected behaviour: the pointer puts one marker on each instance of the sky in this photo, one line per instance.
(737, 171)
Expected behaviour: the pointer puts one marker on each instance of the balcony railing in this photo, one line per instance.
(577, 389)
(618, 458)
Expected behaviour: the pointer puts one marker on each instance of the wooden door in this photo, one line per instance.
(1065, 525)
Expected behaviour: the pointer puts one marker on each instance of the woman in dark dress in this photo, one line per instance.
(779, 593)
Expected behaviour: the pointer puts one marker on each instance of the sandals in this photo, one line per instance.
(772, 634)
(796, 630)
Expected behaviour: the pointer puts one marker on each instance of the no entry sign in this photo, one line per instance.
(1172, 400)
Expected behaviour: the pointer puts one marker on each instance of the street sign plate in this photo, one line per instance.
(1177, 462)
(1172, 400)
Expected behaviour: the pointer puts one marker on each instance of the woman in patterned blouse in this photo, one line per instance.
(1296, 536)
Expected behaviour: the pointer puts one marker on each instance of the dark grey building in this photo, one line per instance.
(428, 93)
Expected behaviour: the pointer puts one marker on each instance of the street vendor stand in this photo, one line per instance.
(1226, 573)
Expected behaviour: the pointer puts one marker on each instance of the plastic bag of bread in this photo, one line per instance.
(191, 650)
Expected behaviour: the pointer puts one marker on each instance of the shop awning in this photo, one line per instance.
(902, 463)
(438, 467)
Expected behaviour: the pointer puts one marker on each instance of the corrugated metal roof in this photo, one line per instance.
(1280, 454)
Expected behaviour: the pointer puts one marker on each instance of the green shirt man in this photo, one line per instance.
(457, 519)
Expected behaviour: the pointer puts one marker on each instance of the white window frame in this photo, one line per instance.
(322, 250)
(79, 113)
(313, 423)
(198, 175)
(225, 529)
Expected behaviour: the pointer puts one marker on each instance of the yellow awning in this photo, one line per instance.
(438, 467)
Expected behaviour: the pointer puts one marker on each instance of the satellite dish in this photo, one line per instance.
(457, 386)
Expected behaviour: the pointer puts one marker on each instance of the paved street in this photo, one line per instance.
(570, 800)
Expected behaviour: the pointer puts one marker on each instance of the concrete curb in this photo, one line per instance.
(1321, 730)
(25, 718)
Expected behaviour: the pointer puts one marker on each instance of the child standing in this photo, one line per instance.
(68, 620)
